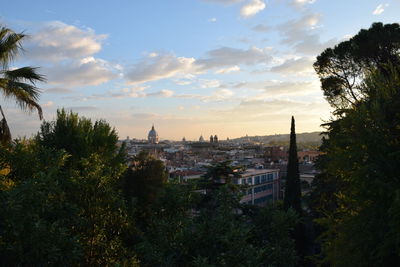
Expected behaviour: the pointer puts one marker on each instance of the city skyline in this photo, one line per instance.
(225, 67)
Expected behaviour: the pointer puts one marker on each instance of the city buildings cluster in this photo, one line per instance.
(265, 166)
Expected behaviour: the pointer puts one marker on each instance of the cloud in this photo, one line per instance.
(228, 70)
(230, 57)
(162, 93)
(59, 41)
(58, 90)
(302, 2)
(133, 92)
(219, 95)
(252, 8)
(213, 20)
(299, 65)
(159, 66)
(261, 28)
(273, 88)
(204, 83)
(84, 72)
(48, 104)
(82, 108)
(302, 34)
(273, 111)
(379, 9)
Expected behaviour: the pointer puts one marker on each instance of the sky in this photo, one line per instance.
(190, 67)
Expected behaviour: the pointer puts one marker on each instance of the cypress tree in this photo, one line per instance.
(292, 197)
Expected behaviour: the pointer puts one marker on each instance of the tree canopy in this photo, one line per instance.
(356, 196)
(342, 69)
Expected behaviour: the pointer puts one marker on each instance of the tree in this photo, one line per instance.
(144, 180)
(17, 84)
(343, 68)
(63, 204)
(292, 187)
(81, 138)
(356, 196)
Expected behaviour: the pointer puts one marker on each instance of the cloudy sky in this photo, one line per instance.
(191, 67)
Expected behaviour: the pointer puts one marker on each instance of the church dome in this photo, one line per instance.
(152, 136)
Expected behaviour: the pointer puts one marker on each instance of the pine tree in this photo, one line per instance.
(292, 189)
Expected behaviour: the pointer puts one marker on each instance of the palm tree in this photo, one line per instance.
(17, 84)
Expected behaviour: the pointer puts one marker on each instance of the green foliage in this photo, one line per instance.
(144, 180)
(35, 215)
(343, 68)
(81, 138)
(271, 231)
(292, 187)
(356, 197)
(63, 205)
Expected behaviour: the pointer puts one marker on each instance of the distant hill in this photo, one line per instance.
(304, 140)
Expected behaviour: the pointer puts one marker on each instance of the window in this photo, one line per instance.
(263, 178)
(249, 192)
(249, 180)
(243, 181)
(257, 180)
(270, 177)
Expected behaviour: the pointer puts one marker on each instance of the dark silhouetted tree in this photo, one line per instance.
(293, 187)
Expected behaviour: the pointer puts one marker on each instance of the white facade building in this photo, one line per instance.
(262, 186)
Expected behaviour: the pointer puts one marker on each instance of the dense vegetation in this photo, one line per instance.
(356, 199)
(69, 198)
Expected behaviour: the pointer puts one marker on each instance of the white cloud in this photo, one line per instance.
(219, 95)
(84, 72)
(204, 83)
(227, 70)
(230, 57)
(273, 88)
(292, 65)
(380, 9)
(134, 92)
(59, 41)
(302, 2)
(302, 34)
(213, 20)
(252, 8)
(159, 66)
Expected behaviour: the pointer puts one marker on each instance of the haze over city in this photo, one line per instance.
(225, 67)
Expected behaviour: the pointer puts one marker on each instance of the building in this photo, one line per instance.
(263, 186)
(152, 137)
(201, 139)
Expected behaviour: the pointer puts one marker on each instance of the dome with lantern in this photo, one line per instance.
(152, 136)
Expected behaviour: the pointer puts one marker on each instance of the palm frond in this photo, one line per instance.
(26, 95)
(5, 133)
(10, 45)
(24, 74)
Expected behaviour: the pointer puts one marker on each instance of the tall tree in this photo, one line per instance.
(17, 84)
(342, 69)
(293, 187)
(358, 190)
